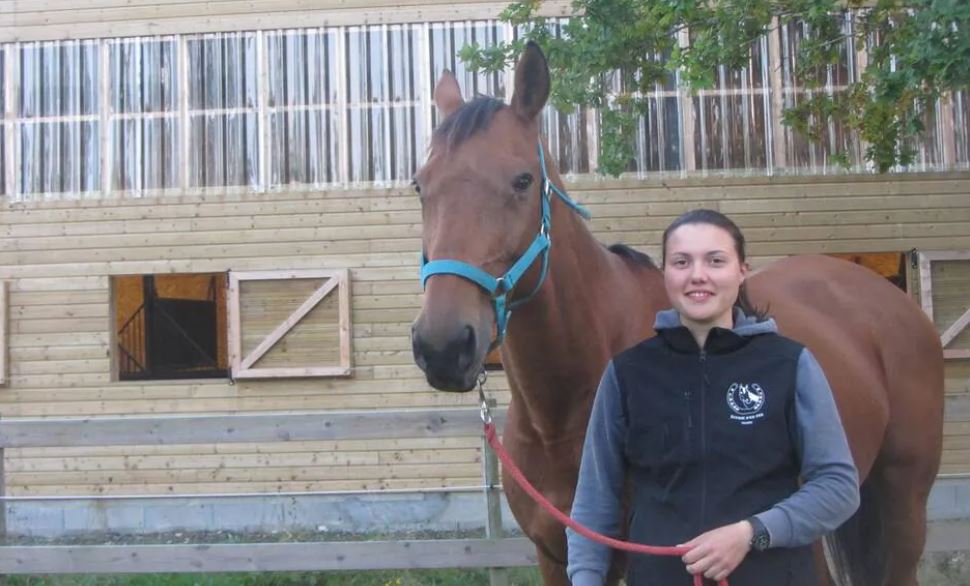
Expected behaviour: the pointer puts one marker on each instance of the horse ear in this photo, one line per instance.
(531, 82)
(447, 94)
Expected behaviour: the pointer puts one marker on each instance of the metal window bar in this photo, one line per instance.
(131, 346)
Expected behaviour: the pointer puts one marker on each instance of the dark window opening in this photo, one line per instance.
(171, 326)
(891, 265)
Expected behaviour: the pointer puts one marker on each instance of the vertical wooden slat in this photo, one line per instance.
(945, 125)
(925, 285)
(105, 109)
(387, 107)
(493, 503)
(10, 111)
(343, 174)
(686, 116)
(4, 350)
(425, 82)
(776, 150)
(262, 120)
(183, 97)
(233, 324)
(346, 336)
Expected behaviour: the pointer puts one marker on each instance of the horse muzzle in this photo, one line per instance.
(450, 361)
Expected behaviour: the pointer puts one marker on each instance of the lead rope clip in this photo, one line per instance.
(485, 412)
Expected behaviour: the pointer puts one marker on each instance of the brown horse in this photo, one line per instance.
(483, 192)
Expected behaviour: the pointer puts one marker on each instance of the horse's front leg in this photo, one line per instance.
(552, 570)
(551, 550)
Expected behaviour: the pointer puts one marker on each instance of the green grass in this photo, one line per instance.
(517, 577)
(937, 569)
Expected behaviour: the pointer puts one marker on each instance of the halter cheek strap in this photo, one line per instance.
(500, 288)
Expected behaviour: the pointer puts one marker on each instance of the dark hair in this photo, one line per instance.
(714, 218)
(468, 119)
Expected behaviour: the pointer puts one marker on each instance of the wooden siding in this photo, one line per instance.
(58, 257)
(33, 20)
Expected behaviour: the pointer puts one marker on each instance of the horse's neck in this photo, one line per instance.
(590, 307)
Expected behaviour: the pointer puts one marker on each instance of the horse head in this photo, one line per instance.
(485, 213)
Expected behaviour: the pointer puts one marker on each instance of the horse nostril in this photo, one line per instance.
(468, 347)
(416, 349)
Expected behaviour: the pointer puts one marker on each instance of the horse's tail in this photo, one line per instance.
(858, 550)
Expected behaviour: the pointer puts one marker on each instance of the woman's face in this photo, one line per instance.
(702, 275)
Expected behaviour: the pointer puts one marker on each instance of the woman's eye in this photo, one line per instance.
(416, 187)
(522, 182)
(717, 261)
(680, 263)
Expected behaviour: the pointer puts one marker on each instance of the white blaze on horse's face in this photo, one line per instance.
(703, 275)
(480, 202)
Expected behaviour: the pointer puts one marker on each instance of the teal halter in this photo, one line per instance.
(500, 288)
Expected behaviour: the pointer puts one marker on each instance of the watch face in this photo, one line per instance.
(760, 541)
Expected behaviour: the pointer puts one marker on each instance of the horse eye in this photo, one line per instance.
(522, 182)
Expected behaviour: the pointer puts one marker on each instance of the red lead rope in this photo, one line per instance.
(512, 469)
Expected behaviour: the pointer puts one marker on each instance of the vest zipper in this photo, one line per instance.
(704, 384)
(690, 417)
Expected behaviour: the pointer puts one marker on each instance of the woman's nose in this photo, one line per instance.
(698, 274)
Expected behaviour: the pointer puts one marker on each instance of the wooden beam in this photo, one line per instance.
(4, 321)
(262, 557)
(934, 255)
(309, 371)
(954, 330)
(262, 427)
(211, 17)
(346, 333)
(926, 283)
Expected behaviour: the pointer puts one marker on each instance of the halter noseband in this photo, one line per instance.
(500, 288)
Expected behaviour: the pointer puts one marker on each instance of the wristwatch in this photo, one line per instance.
(760, 539)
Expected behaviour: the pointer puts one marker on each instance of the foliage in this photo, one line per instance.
(918, 50)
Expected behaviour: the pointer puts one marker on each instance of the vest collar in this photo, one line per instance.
(719, 340)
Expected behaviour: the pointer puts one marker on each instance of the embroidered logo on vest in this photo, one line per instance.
(746, 402)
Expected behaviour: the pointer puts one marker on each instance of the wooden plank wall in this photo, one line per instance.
(33, 20)
(58, 258)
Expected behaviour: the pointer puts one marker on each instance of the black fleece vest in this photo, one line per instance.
(709, 443)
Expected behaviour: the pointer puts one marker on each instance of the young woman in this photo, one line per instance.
(713, 421)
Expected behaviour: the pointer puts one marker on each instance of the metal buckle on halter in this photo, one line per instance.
(484, 412)
(501, 287)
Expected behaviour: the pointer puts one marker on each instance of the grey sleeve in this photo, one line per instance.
(602, 473)
(829, 494)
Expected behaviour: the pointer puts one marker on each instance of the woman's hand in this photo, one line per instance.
(717, 552)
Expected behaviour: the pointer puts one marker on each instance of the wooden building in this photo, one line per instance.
(205, 210)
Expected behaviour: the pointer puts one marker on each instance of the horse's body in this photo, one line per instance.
(880, 353)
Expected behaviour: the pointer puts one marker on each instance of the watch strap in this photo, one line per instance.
(760, 538)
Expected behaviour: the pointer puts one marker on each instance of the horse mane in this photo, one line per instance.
(633, 254)
(467, 120)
